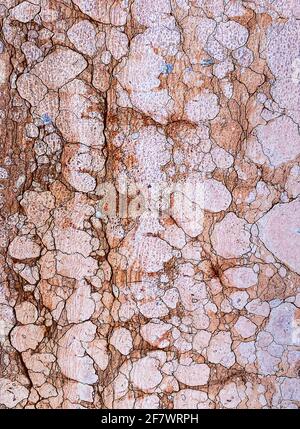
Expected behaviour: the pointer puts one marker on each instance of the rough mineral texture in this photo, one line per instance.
(150, 204)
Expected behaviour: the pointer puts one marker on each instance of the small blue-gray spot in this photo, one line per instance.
(167, 68)
(46, 119)
(135, 136)
(298, 230)
(207, 62)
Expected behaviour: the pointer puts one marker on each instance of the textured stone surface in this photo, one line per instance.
(150, 199)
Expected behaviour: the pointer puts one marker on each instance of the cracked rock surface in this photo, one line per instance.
(150, 200)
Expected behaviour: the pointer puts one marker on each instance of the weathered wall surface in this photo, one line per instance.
(149, 181)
